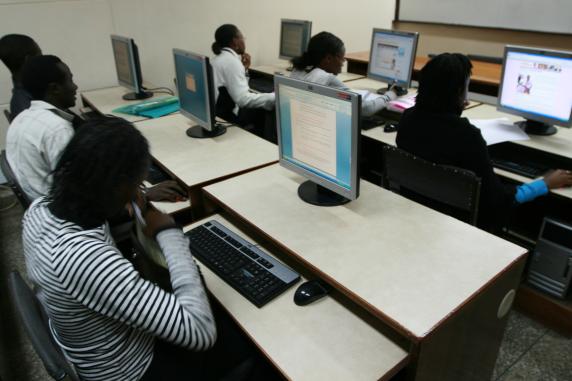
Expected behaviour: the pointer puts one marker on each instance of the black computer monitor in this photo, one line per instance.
(195, 87)
(318, 138)
(391, 58)
(294, 37)
(128, 67)
(537, 85)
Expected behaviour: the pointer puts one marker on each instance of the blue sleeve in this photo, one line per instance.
(530, 191)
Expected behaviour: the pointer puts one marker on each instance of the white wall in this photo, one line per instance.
(78, 31)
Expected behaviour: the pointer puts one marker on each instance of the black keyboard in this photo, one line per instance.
(262, 84)
(370, 122)
(254, 274)
(524, 169)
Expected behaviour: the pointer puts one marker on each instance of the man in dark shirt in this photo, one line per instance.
(434, 130)
(15, 49)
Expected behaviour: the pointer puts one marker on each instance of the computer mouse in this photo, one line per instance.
(390, 127)
(310, 291)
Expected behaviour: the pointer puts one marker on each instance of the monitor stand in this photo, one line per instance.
(137, 96)
(199, 132)
(399, 91)
(315, 194)
(533, 127)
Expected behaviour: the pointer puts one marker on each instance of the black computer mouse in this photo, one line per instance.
(390, 127)
(310, 291)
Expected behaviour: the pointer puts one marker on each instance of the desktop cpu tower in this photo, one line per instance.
(550, 268)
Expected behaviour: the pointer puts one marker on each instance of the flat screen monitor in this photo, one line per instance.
(391, 58)
(294, 37)
(128, 67)
(537, 85)
(195, 89)
(318, 132)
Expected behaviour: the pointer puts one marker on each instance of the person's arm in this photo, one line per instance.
(107, 283)
(55, 143)
(553, 180)
(373, 106)
(237, 87)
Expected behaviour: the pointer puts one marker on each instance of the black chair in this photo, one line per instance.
(12, 182)
(8, 115)
(447, 189)
(32, 315)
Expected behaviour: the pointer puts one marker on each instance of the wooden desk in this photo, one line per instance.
(198, 162)
(322, 341)
(436, 281)
(271, 70)
(105, 100)
(486, 76)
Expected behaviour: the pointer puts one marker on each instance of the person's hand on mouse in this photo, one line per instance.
(558, 178)
(166, 191)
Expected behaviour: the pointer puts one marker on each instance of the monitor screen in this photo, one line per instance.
(194, 84)
(124, 61)
(318, 133)
(537, 85)
(392, 56)
(294, 38)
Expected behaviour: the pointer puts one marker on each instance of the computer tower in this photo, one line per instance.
(550, 267)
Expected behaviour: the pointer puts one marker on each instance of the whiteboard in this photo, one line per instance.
(535, 15)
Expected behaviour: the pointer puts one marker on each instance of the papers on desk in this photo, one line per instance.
(499, 130)
(399, 105)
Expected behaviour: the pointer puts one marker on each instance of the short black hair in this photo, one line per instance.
(442, 82)
(103, 157)
(38, 72)
(320, 46)
(223, 37)
(14, 48)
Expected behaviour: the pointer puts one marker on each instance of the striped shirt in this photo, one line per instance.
(102, 313)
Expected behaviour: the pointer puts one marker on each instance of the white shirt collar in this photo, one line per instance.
(41, 105)
(231, 51)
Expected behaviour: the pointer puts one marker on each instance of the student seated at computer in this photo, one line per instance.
(234, 100)
(39, 134)
(434, 130)
(15, 49)
(323, 61)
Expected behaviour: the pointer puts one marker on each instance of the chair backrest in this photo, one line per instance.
(225, 105)
(12, 182)
(450, 190)
(33, 317)
(8, 115)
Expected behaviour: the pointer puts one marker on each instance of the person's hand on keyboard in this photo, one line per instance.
(558, 178)
(166, 191)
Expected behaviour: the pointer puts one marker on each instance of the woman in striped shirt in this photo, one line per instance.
(104, 315)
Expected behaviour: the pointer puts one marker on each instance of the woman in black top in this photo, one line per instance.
(435, 131)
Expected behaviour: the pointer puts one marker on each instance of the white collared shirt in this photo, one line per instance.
(228, 71)
(35, 140)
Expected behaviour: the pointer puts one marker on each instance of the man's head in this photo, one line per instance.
(15, 49)
(48, 79)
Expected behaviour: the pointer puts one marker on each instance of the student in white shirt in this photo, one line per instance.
(38, 135)
(323, 61)
(235, 102)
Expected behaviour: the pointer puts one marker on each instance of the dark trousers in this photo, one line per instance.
(232, 358)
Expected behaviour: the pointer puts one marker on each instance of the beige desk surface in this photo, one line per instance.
(558, 144)
(321, 341)
(275, 69)
(110, 98)
(409, 265)
(198, 161)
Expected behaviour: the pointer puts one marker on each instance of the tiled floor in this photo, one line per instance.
(529, 352)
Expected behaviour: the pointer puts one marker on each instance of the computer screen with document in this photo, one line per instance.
(318, 136)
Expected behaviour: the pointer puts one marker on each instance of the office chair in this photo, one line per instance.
(12, 182)
(32, 314)
(447, 189)
(8, 115)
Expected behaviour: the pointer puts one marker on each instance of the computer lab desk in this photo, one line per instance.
(271, 70)
(438, 284)
(104, 101)
(196, 163)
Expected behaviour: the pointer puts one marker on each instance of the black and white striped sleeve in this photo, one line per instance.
(104, 281)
